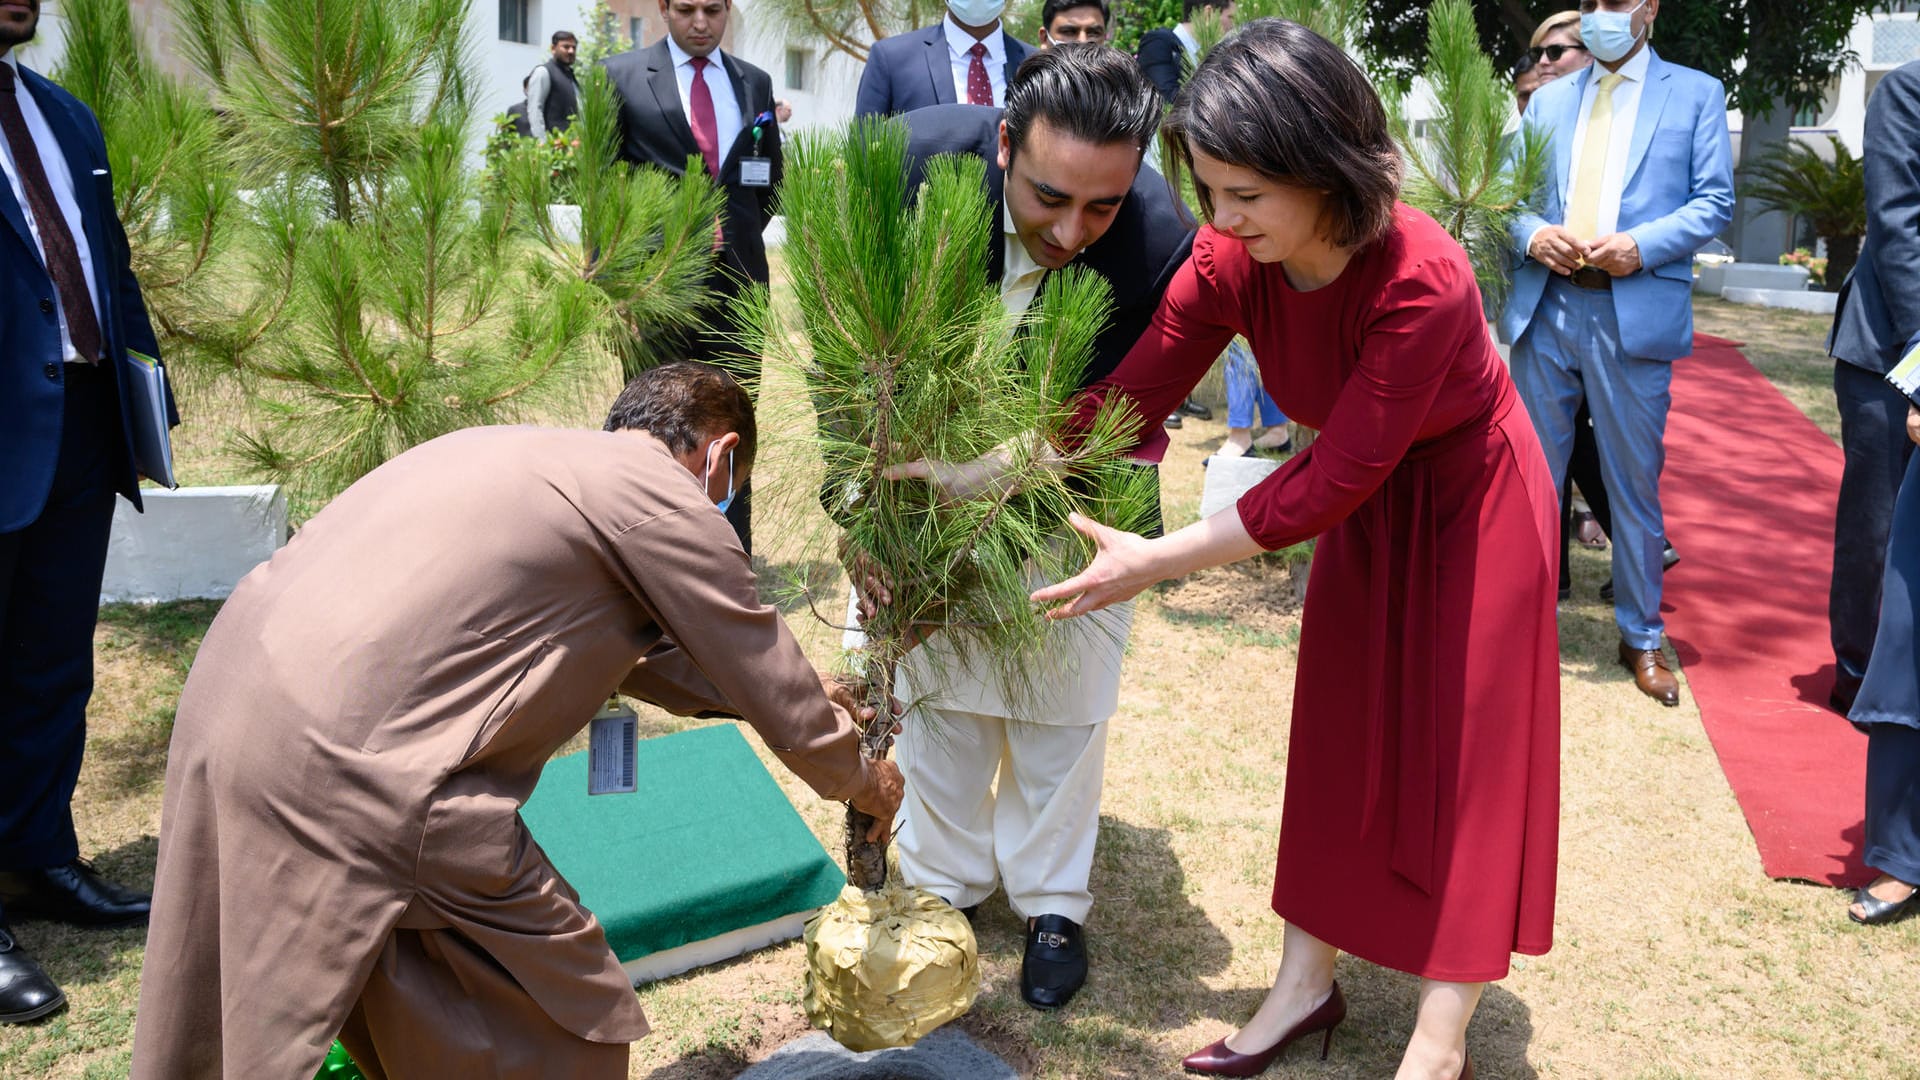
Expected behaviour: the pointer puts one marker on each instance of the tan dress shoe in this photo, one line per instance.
(1651, 673)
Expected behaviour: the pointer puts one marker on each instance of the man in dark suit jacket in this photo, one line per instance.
(666, 115)
(1065, 180)
(1879, 309)
(1168, 53)
(964, 59)
(69, 311)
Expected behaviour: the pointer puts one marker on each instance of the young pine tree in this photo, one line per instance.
(1463, 168)
(376, 299)
(908, 354)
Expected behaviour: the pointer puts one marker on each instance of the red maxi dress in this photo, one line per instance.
(1421, 818)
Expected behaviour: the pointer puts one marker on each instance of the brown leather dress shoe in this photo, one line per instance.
(1651, 673)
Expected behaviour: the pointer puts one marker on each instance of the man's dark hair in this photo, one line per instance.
(1526, 63)
(1279, 99)
(1188, 7)
(1052, 9)
(1091, 92)
(683, 403)
(560, 36)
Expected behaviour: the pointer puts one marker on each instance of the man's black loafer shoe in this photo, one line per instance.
(1055, 967)
(25, 991)
(72, 893)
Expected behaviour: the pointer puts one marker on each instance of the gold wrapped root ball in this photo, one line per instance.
(885, 968)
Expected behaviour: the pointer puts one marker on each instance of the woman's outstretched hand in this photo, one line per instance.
(1122, 567)
(985, 475)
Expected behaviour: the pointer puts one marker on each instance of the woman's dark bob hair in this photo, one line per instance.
(1279, 99)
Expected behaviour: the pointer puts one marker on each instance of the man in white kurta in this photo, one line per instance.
(1003, 784)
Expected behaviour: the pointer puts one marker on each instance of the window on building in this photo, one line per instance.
(800, 69)
(515, 17)
(636, 29)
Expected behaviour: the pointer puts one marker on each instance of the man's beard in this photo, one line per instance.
(12, 34)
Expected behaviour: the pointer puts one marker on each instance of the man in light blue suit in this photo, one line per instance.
(1639, 176)
(966, 58)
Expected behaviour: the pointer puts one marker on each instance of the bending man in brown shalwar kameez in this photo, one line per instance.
(341, 851)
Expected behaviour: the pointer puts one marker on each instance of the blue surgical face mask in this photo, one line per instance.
(1609, 35)
(707, 479)
(976, 12)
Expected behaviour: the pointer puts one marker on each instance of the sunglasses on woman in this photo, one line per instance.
(1553, 53)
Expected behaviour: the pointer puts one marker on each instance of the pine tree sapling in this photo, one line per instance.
(1463, 170)
(908, 354)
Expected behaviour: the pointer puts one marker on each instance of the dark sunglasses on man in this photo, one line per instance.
(1553, 53)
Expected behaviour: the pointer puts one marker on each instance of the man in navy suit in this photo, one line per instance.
(1639, 176)
(683, 95)
(69, 311)
(965, 59)
(1879, 310)
(1065, 181)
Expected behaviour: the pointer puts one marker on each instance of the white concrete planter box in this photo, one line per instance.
(1819, 303)
(191, 544)
(566, 221)
(1769, 276)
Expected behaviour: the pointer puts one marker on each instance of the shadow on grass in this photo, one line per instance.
(157, 643)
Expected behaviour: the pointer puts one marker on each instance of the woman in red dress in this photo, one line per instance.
(1422, 802)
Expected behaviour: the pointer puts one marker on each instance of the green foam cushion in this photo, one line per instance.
(708, 845)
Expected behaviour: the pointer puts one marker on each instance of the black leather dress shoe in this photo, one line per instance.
(1055, 967)
(72, 893)
(25, 991)
(1196, 410)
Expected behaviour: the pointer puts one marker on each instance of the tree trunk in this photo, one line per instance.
(1842, 253)
(1759, 233)
(867, 861)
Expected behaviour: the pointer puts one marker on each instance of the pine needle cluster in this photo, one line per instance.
(908, 354)
(323, 243)
(1463, 170)
(643, 238)
(172, 189)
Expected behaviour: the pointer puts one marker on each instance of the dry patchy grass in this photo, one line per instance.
(1674, 955)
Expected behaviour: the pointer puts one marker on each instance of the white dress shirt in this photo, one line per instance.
(1020, 276)
(958, 44)
(54, 161)
(726, 107)
(1626, 103)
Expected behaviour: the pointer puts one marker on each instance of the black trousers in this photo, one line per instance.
(49, 600)
(1583, 470)
(1873, 437)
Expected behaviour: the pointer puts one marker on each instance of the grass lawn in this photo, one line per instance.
(1674, 956)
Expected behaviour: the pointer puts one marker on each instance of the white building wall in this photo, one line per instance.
(820, 82)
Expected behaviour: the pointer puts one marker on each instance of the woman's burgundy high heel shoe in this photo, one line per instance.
(1221, 1060)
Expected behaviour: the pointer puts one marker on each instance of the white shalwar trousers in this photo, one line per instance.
(1033, 831)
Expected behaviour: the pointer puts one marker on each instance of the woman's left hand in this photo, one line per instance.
(1123, 566)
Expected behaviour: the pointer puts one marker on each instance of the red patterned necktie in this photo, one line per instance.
(706, 131)
(979, 87)
(56, 242)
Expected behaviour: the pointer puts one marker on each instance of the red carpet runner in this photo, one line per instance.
(1749, 494)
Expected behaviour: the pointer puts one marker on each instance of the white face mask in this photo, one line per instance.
(1609, 35)
(976, 12)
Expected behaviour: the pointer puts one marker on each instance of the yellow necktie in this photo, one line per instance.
(1583, 208)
